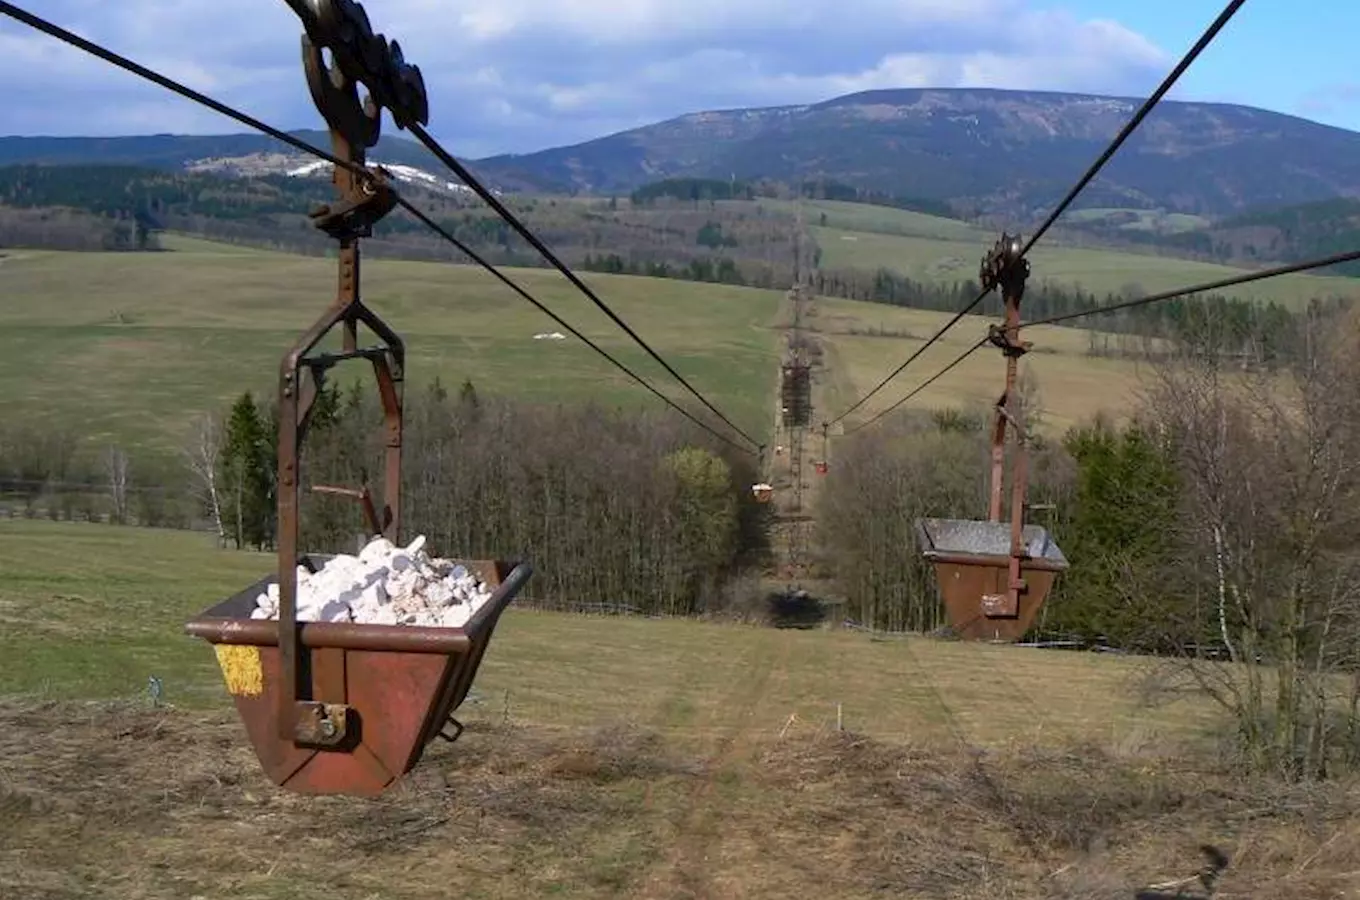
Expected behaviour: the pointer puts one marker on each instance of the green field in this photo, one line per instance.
(878, 219)
(931, 248)
(860, 217)
(91, 611)
(1100, 271)
(1073, 386)
(1146, 219)
(609, 757)
(132, 346)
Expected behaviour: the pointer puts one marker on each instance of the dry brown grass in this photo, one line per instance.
(617, 757)
(1073, 386)
(119, 801)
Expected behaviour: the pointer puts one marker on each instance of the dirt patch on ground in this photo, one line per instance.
(129, 802)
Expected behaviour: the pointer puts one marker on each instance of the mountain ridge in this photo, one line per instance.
(956, 140)
(984, 151)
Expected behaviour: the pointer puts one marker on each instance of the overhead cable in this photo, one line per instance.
(920, 387)
(1163, 296)
(1207, 286)
(500, 208)
(1205, 39)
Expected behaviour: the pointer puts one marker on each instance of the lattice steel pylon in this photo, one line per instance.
(796, 402)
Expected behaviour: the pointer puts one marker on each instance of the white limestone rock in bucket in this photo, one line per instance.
(378, 549)
(384, 585)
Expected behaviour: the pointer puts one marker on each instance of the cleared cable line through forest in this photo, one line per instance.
(1148, 105)
(122, 62)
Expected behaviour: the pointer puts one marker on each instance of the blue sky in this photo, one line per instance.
(1291, 57)
(520, 75)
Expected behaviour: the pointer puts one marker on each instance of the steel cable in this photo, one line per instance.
(1148, 105)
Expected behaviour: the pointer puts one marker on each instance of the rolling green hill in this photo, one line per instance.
(864, 252)
(117, 207)
(131, 346)
(947, 260)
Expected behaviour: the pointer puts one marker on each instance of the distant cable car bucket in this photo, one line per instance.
(972, 562)
(762, 492)
(821, 467)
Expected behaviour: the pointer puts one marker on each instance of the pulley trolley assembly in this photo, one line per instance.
(346, 708)
(994, 575)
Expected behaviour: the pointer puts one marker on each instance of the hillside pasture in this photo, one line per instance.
(130, 347)
(864, 342)
(871, 218)
(91, 611)
(611, 757)
(1102, 272)
(1152, 220)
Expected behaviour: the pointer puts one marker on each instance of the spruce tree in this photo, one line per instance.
(248, 513)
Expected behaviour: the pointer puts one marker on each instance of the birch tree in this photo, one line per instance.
(1270, 529)
(116, 470)
(203, 456)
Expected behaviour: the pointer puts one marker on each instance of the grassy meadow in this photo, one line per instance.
(927, 258)
(609, 757)
(94, 624)
(131, 347)
(856, 217)
(1142, 219)
(931, 248)
(1073, 387)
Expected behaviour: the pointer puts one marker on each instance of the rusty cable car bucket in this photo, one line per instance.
(400, 684)
(994, 575)
(331, 707)
(972, 563)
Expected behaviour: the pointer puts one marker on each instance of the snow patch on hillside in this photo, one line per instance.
(296, 165)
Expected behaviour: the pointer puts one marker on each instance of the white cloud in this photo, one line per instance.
(1329, 98)
(517, 75)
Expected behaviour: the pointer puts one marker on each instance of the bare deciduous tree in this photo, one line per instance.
(1271, 529)
(116, 470)
(1029, 400)
(616, 511)
(203, 454)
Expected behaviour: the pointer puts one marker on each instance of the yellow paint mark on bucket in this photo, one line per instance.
(241, 669)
